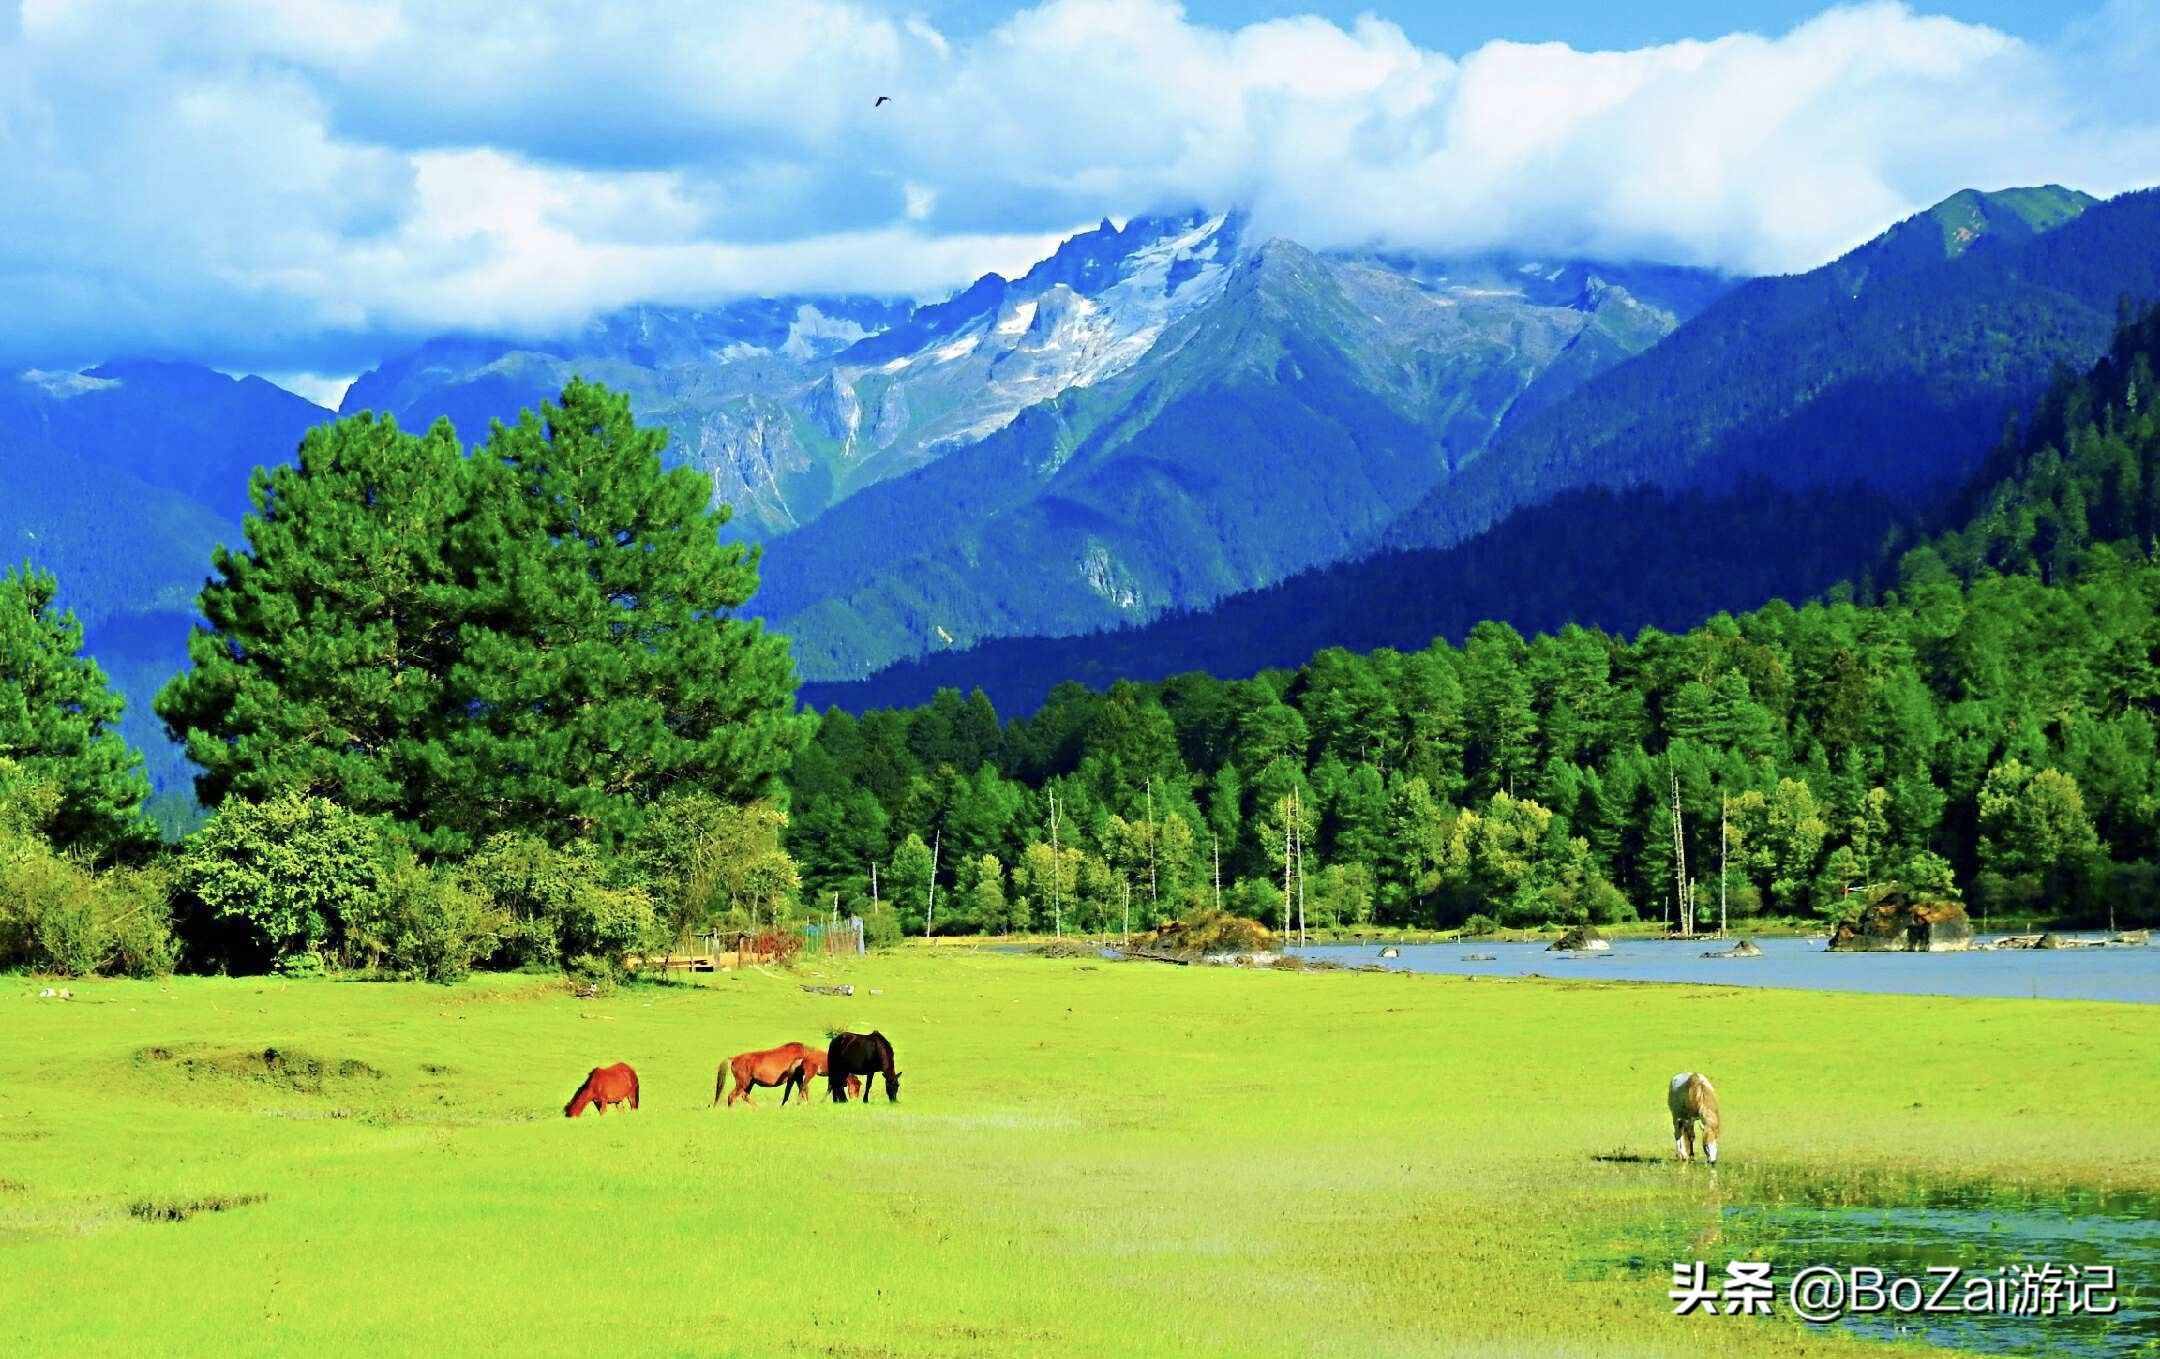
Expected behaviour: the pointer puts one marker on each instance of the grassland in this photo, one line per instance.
(1087, 1159)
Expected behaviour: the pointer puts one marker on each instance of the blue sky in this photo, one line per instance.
(298, 187)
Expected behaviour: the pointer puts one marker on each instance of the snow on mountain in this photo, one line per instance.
(1086, 313)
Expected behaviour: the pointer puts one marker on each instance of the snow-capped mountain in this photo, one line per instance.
(1154, 415)
(792, 404)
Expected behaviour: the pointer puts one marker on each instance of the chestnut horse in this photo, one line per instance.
(1693, 1104)
(781, 1066)
(604, 1085)
(860, 1054)
(813, 1066)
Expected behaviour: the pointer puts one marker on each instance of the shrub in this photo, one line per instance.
(707, 859)
(58, 916)
(291, 869)
(70, 939)
(558, 904)
(138, 923)
(423, 922)
(586, 972)
(779, 945)
(301, 965)
(881, 926)
(1480, 924)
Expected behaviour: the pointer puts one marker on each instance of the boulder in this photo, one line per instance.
(1580, 938)
(1741, 949)
(1898, 924)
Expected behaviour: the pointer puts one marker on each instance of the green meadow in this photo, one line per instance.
(1087, 1159)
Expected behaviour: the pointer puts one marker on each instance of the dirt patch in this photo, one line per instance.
(180, 1210)
(8, 1186)
(1627, 1158)
(435, 1068)
(282, 1068)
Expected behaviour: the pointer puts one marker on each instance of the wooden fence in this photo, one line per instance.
(714, 951)
(835, 936)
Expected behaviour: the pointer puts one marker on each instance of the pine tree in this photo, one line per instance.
(56, 723)
(322, 669)
(601, 662)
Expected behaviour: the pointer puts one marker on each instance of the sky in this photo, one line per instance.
(301, 187)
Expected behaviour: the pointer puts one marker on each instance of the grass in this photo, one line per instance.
(1088, 1159)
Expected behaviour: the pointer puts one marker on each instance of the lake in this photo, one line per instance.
(2131, 974)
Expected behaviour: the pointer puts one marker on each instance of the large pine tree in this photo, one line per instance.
(321, 669)
(56, 722)
(541, 637)
(601, 662)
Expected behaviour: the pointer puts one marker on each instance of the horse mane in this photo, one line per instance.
(583, 1097)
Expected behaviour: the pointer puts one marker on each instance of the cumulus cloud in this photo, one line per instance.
(296, 185)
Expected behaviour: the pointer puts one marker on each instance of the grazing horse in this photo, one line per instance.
(604, 1085)
(781, 1066)
(860, 1054)
(813, 1066)
(1694, 1109)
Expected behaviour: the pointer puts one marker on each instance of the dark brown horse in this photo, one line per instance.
(860, 1054)
(781, 1066)
(813, 1066)
(604, 1085)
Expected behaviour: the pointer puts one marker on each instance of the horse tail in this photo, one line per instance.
(1706, 1105)
(719, 1084)
(633, 1089)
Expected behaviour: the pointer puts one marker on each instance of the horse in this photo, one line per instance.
(860, 1054)
(814, 1066)
(781, 1066)
(1694, 1107)
(604, 1085)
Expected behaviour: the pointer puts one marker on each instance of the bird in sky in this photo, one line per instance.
(882, 100)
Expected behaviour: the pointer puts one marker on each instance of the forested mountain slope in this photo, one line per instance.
(1987, 726)
(1973, 304)
(1892, 366)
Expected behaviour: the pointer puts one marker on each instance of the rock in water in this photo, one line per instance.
(1581, 937)
(1741, 949)
(1898, 924)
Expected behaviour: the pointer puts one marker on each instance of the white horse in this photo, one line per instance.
(1694, 1107)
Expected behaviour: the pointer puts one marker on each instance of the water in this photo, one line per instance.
(2131, 974)
(1983, 1242)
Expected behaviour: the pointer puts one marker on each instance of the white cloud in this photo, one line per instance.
(324, 389)
(287, 184)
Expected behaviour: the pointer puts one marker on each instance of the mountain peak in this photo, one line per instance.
(1946, 231)
(1967, 215)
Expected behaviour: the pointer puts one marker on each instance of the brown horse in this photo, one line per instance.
(604, 1085)
(814, 1066)
(1694, 1107)
(781, 1066)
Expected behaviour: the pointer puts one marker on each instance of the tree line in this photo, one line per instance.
(499, 707)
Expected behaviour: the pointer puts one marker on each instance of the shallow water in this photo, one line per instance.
(1982, 1242)
(2131, 974)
